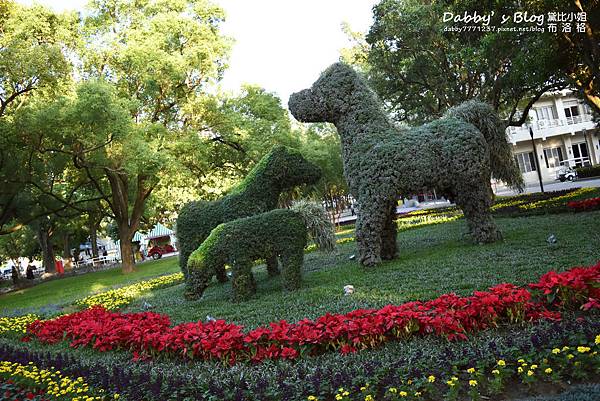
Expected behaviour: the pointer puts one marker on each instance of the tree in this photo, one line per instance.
(34, 65)
(161, 56)
(420, 71)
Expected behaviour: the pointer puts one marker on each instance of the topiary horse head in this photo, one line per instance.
(281, 169)
(455, 155)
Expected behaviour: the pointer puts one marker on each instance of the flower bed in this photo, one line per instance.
(549, 366)
(17, 324)
(584, 205)
(114, 299)
(28, 382)
(450, 316)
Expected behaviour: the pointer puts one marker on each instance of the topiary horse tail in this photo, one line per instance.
(485, 118)
(319, 226)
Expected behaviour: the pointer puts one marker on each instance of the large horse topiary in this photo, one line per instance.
(456, 155)
(281, 169)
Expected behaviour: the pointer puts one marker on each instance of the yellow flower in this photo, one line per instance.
(451, 383)
(565, 348)
(312, 398)
(597, 341)
(548, 370)
(363, 388)
(431, 379)
(403, 393)
(471, 370)
(417, 393)
(530, 373)
(570, 356)
(472, 383)
(556, 351)
(393, 390)
(369, 397)
(496, 371)
(534, 367)
(521, 361)
(340, 389)
(501, 362)
(520, 369)
(582, 349)
(409, 381)
(338, 397)
(345, 394)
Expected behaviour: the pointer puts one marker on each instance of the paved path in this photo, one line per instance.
(555, 186)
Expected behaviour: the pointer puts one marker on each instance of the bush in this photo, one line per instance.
(279, 233)
(319, 227)
(281, 169)
(588, 171)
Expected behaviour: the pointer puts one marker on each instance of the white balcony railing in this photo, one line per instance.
(544, 128)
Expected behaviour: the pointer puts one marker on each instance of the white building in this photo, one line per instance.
(563, 132)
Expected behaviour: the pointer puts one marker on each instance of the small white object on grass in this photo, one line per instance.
(348, 289)
(209, 318)
(551, 239)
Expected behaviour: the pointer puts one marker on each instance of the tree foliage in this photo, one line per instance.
(420, 70)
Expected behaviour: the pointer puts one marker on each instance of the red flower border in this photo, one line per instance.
(150, 334)
(584, 205)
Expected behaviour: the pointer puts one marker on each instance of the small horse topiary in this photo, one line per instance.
(281, 169)
(278, 233)
(456, 155)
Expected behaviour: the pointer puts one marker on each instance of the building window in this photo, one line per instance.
(526, 162)
(572, 113)
(546, 113)
(553, 157)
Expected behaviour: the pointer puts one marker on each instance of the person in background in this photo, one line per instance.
(29, 272)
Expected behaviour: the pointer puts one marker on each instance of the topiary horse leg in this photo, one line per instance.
(272, 266)
(221, 274)
(389, 249)
(291, 266)
(475, 203)
(242, 282)
(369, 229)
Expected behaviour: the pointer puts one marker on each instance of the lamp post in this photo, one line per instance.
(537, 162)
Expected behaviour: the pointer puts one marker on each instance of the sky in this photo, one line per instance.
(281, 45)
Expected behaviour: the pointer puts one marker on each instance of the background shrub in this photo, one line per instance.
(588, 171)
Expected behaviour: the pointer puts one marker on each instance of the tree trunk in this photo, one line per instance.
(67, 247)
(47, 250)
(94, 238)
(127, 257)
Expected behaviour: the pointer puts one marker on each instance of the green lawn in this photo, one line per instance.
(64, 291)
(435, 259)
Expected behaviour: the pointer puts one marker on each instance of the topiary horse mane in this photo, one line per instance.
(281, 169)
(455, 155)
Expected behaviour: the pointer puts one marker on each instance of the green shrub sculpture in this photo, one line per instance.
(455, 155)
(281, 169)
(278, 233)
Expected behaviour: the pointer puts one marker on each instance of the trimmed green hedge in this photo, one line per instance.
(589, 171)
(281, 169)
(279, 233)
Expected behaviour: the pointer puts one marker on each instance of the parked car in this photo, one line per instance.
(157, 251)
